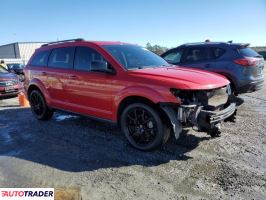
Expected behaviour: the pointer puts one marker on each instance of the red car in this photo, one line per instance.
(128, 85)
(9, 84)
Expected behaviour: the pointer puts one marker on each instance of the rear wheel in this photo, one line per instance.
(39, 107)
(143, 126)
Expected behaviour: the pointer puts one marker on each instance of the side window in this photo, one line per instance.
(217, 52)
(40, 58)
(174, 57)
(196, 54)
(84, 56)
(61, 58)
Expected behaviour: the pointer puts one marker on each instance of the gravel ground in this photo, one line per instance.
(95, 159)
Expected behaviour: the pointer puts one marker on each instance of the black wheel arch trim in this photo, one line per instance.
(176, 125)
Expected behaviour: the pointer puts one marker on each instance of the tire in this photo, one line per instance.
(233, 88)
(143, 127)
(39, 107)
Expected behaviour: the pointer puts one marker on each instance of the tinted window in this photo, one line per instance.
(217, 52)
(61, 58)
(174, 56)
(248, 52)
(84, 56)
(135, 57)
(40, 58)
(196, 54)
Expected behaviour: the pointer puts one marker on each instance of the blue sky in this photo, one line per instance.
(165, 22)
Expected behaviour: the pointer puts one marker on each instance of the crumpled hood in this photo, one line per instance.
(182, 78)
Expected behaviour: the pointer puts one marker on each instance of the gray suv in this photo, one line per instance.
(239, 63)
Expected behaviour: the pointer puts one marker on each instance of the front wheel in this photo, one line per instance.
(143, 126)
(39, 107)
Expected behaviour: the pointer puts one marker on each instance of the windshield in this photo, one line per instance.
(17, 66)
(135, 57)
(3, 70)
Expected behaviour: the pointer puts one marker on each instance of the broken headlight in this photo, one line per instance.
(185, 96)
(208, 98)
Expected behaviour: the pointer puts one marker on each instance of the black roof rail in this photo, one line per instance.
(200, 43)
(61, 41)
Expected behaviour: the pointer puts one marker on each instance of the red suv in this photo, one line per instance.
(128, 85)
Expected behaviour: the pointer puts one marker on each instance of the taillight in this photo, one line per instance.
(248, 62)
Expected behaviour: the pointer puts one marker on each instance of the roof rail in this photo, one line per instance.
(199, 43)
(61, 41)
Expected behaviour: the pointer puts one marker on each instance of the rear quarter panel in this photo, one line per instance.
(33, 78)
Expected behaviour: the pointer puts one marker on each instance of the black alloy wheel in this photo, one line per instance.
(143, 126)
(39, 107)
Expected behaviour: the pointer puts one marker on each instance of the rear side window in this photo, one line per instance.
(84, 56)
(196, 54)
(247, 52)
(61, 58)
(217, 52)
(40, 58)
(174, 57)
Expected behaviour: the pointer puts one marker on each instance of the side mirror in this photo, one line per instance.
(102, 66)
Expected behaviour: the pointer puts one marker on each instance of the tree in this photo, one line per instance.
(156, 48)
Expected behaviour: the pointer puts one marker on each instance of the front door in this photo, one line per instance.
(87, 91)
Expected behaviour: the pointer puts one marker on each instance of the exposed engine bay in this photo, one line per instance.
(201, 109)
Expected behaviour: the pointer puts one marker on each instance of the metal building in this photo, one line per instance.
(19, 52)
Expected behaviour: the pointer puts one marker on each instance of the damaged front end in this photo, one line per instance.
(201, 109)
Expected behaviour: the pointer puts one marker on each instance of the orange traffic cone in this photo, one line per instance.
(23, 102)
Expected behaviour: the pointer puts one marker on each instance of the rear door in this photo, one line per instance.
(218, 61)
(59, 64)
(197, 57)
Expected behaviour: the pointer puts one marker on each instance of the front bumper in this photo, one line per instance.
(196, 116)
(11, 93)
(218, 116)
(8, 94)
